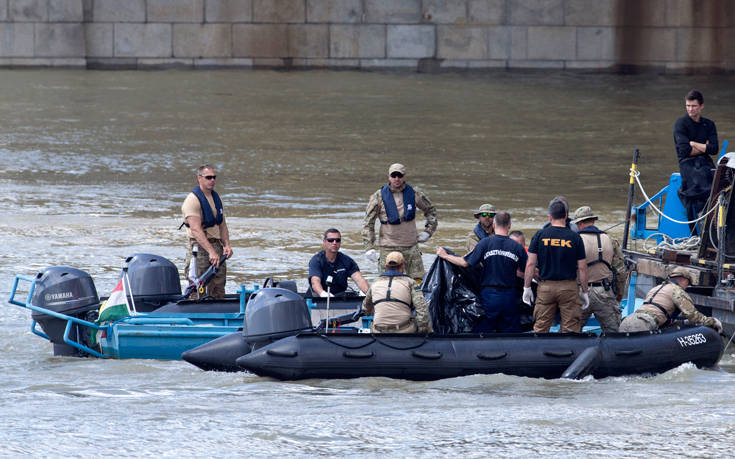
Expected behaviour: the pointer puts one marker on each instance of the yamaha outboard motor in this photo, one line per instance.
(68, 291)
(274, 313)
(154, 281)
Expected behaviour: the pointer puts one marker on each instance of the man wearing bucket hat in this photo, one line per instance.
(395, 206)
(484, 228)
(393, 297)
(665, 302)
(605, 271)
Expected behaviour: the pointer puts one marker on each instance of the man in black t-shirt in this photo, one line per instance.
(331, 263)
(695, 138)
(559, 253)
(503, 260)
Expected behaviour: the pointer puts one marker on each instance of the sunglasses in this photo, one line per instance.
(208, 177)
(486, 214)
(333, 239)
(396, 175)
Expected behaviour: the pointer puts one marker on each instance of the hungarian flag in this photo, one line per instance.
(116, 306)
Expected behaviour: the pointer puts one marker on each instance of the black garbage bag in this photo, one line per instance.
(450, 292)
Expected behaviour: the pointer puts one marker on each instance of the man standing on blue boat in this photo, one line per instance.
(560, 255)
(695, 138)
(484, 227)
(503, 260)
(605, 271)
(395, 206)
(330, 262)
(204, 218)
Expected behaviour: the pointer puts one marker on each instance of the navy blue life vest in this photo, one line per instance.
(480, 232)
(409, 205)
(208, 217)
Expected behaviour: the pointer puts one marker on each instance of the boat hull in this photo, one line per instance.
(312, 355)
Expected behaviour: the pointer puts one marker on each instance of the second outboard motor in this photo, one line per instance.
(154, 281)
(274, 313)
(68, 291)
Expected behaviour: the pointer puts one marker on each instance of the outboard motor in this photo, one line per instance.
(154, 281)
(274, 313)
(68, 291)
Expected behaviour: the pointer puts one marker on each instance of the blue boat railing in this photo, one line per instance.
(69, 319)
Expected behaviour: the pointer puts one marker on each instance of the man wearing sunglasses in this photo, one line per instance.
(330, 262)
(395, 206)
(204, 218)
(484, 227)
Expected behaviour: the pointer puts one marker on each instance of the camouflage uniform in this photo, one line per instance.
(473, 240)
(390, 306)
(398, 238)
(604, 304)
(215, 287)
(671, 298)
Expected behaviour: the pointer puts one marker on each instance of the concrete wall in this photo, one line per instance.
(425, 35)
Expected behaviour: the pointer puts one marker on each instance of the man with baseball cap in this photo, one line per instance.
(665, 302)
(395, 206)
(484, 228)
(393, 297)
(605, 271)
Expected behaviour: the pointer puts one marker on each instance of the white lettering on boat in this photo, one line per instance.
(58, 296)
(691, 340)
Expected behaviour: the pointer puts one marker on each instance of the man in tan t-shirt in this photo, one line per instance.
(206, 227)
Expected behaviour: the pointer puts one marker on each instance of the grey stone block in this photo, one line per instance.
(155, 63)
(461, 42)
(98, 39)
(536, 64)
(537, 12)
(279, 11)
(259, 40)
(118, 11)
(445, 11)
(65, 11)
(3, 11)
(519, 43)
(175, 11)
(308, 40)
(16, 39)
(202, 40)
(59, 40)
(405, 64)
(28, 10)
(591, 65)
(223, 62)
(66, 62)
(269, 63)
(498, 42)
(142, 40)
(642, 13)
(357, 41)
(393, 11)
(552, 43)
(591, 13)
(700, 45)
(595, 43)
(491, 12)
(334, 11)
(411, 41)
(229, 11)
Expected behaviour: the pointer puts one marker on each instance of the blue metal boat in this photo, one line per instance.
(64, 308)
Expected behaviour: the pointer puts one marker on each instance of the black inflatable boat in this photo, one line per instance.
(278, 341)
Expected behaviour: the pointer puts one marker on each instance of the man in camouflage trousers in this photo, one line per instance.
(395, 206)
(484, 227)
(665, 302)
(391, 299)
(605, 271)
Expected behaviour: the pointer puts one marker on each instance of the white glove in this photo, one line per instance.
(372, 255)
(325, 294)
(717, 325)
(585, 300)
(424, 236)
(527, 295)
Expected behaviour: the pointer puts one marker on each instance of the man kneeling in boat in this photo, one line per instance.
(664, 303)
(391, 299)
